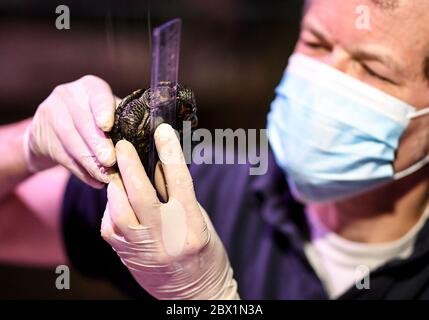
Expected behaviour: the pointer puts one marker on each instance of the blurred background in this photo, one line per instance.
(233, 53)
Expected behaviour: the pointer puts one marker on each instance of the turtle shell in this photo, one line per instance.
(133, 118)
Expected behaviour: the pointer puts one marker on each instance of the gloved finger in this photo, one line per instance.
(160, 183)
(140, 191)
(117, 101)
(121, 213)
(68, 162)
(97, 141)
(81, 173)
(107, 231)
(74, 145)
(177, 176)
(101, 100)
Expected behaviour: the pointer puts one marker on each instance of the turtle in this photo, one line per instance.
(133, 118)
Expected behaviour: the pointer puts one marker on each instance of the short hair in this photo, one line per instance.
(386, 4)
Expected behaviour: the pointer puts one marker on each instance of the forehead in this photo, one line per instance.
(400, 28)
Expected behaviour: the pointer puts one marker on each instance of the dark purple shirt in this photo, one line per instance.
(263, 230)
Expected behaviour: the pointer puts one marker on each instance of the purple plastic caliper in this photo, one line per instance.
(165, 69)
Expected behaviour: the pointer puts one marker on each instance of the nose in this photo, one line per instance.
(338, 59)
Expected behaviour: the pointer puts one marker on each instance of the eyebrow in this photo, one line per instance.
(318, 33)
(382, 57)
(359, 53)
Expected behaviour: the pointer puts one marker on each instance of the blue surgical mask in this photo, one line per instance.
(333, 135)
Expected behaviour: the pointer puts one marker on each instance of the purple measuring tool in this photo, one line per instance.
(165, 70)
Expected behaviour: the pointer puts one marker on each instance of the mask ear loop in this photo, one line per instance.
(415, 167)
(420, 164)
(418, 114)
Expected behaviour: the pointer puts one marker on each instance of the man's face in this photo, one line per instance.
(384, 43)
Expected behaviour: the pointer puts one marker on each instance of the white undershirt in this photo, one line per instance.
(338, 262)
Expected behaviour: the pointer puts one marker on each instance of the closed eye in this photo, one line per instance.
(314, 39)
(376, 75)
(315, 45)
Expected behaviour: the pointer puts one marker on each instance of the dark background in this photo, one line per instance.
(233, 53)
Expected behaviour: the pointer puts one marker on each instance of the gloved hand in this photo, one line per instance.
(68, 129)
(171, 248)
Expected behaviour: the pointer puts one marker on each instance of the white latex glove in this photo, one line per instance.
(68, 129)
(171, 249)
